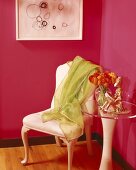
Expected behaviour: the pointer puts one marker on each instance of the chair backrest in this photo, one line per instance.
(61, 72)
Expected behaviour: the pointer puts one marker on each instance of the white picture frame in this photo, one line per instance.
(49, 19)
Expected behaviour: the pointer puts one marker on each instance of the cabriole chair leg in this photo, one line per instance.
(25, 142)
(58, 141)
(88, 138)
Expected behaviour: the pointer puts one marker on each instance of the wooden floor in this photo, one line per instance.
(52, 157)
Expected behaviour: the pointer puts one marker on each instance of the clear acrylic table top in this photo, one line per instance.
(128, 113)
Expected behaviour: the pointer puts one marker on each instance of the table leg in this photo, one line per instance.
(108, 130)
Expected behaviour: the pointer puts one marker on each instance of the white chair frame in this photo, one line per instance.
(59, 137)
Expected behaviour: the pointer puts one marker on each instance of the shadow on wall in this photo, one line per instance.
(125, 131)
(129, 94)
(131, 152)
(133, 97)
(132, 129)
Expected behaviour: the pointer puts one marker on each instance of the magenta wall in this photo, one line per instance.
(27, 68)
(118, 53)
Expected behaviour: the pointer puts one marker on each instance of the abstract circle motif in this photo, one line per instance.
(38, 18)
(37, 25)
(54, 27)
(33, 11)
(42, 16)
(43, 4)
(64, 24)
(60, 6)
(47, 15)
(44, 23)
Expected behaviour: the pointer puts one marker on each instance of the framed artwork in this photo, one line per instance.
(49, 19)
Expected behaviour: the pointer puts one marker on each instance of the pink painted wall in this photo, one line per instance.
(27, 68)
(118, 53)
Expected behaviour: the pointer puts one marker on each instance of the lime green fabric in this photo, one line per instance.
(70, 97)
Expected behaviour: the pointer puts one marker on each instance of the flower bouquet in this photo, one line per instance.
(108, 93)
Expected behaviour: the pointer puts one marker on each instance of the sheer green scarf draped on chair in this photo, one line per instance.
(70, 97)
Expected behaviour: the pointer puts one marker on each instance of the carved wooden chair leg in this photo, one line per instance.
(58, 141)
(25, 142)
(88, 138)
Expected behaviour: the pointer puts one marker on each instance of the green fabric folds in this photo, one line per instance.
(70, 97)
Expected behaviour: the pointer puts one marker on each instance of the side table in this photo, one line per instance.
(109, 121)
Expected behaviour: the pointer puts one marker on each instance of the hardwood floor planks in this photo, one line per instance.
(51, 157)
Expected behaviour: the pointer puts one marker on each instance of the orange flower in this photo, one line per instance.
(105, 79)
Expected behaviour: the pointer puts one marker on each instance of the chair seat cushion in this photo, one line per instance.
(34, 122)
